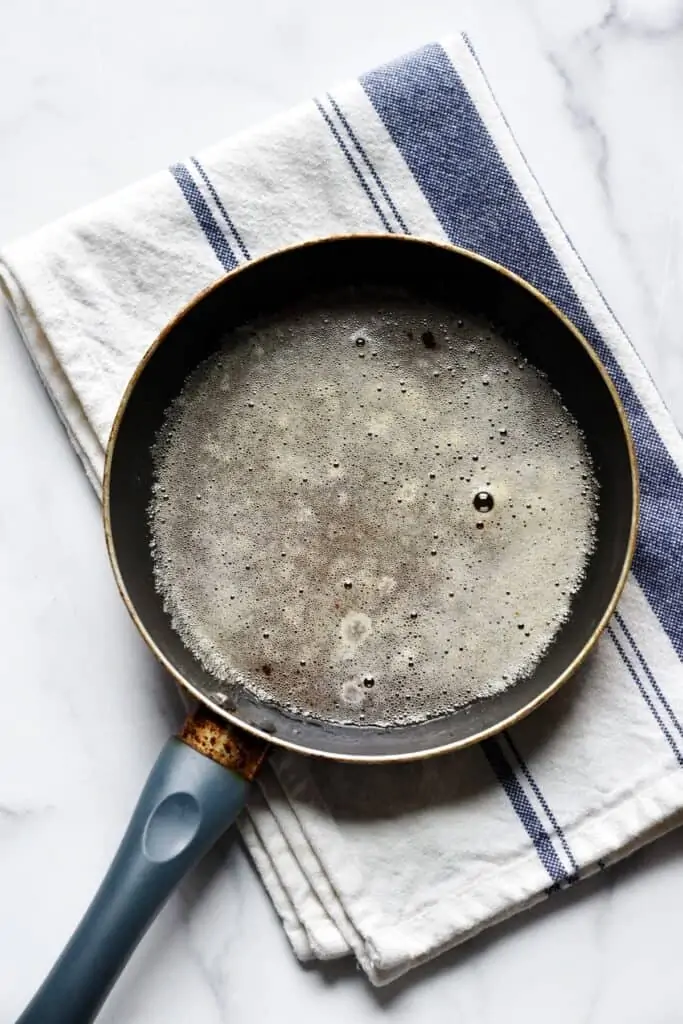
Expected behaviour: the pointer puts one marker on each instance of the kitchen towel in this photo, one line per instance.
(396, 863)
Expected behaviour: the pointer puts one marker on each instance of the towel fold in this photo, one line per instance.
(396, 863)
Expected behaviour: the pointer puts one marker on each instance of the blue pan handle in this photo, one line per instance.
(190, 799)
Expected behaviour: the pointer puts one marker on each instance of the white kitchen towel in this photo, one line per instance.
(396, 864)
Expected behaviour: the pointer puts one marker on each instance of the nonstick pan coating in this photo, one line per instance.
(440, 272)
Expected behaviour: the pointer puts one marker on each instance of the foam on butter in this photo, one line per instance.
(321, 520)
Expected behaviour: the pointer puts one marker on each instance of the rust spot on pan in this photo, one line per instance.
(223, 743)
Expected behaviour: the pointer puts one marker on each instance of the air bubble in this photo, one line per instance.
(483, 501)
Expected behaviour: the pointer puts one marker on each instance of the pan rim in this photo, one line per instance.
(406, 756)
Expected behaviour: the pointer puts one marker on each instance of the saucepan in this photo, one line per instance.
(201, 779)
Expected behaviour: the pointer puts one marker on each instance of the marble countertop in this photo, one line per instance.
(95, 96)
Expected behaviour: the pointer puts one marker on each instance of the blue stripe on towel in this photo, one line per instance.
(352, 163)
(525, 812)
(543, 802)
(645, 695)
(219, 203)
(436, 127)
(366, 160)
(206, 220)
(649, 673)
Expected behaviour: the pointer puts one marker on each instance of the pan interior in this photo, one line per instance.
(421, 563)
(369, 509)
